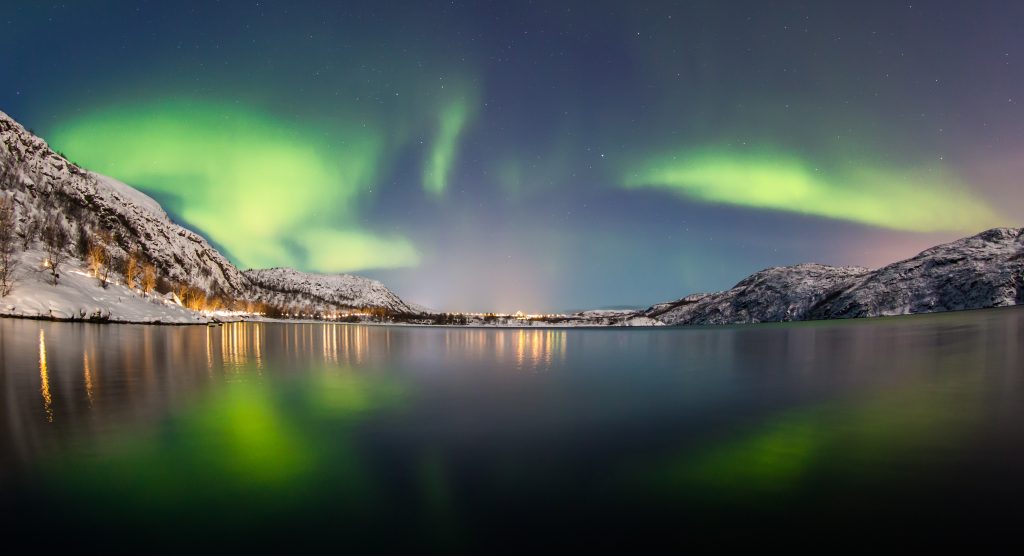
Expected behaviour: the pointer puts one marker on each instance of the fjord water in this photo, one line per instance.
(908, 428)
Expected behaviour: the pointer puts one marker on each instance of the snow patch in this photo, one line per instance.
(79, 296)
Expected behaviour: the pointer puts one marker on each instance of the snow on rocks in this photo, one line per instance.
(47, 181)
(981, 271)
(79, 296)
(324, 292)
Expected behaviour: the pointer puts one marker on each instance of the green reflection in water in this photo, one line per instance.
(244, 436)
(258, 446)
(771, 458)
(856, 439)
(345, 395)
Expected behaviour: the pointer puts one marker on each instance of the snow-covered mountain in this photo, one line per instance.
(981, 271)
(47, 185)
(986, 270)
(285, 287)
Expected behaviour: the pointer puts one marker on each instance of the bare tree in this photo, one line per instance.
(148, 278)
(6, 176)
(104, 276)
(82, 241)
(98, 257)
(30, 228)
(55, 242)
(9, 175)
(8, 244)
(132, 268)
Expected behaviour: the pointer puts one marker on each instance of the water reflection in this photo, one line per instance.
(87, 376)
(759, 462)
(141, 371)
(44, 379)
(447, 435)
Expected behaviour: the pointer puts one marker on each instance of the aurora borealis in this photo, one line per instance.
(234, 174)
(505, 156)
(438, 165)
(872, 196)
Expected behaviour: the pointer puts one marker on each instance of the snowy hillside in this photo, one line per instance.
(46, 184)
(78, 296)
(45, 187)
(323, 292)
(986, 270)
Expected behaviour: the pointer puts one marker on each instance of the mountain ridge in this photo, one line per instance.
(43, 186)
(980, 271)
(282, 286)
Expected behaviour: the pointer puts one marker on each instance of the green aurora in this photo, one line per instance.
(918, 200)
(438, 167)
(273, 193)
(531, 157)
(270, 193)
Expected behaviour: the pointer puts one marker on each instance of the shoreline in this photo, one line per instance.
(219, 322)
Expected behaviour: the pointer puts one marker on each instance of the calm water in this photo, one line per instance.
(903, 430)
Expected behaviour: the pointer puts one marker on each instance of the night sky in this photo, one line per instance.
(539, 156)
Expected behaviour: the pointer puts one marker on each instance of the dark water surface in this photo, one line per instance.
(903, 430)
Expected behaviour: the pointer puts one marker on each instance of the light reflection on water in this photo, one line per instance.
(44, 379)
(446, 436)
(148, 367)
